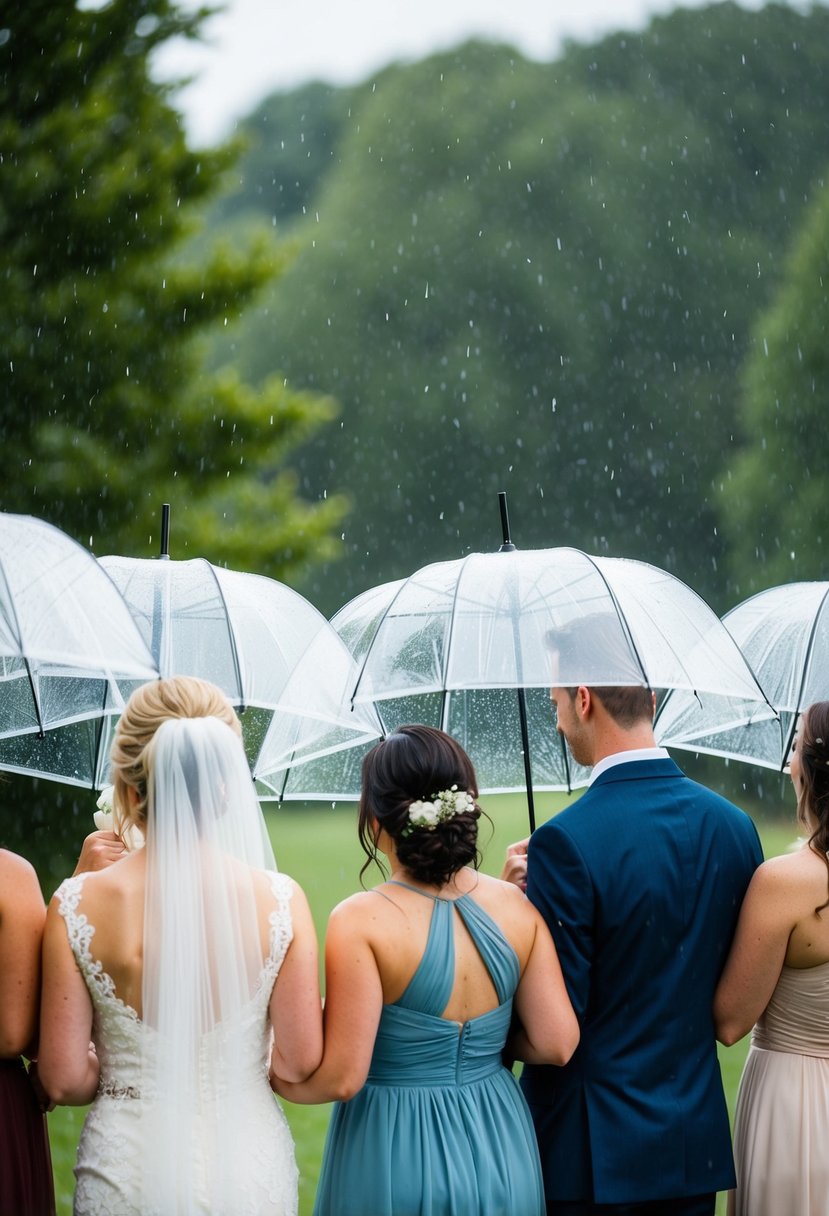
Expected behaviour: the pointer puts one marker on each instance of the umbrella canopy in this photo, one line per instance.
(68, 651)
(275, 656)
(455, 642)
(784, 634)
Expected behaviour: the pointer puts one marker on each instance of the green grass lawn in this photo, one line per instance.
(318, 846)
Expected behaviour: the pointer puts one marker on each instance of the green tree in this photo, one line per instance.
(542, 279)
(775, 494)
(292, 141)
(106, 322)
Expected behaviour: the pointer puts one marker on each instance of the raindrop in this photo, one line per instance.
(147, 25)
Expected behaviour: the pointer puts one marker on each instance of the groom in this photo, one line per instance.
(641, 882)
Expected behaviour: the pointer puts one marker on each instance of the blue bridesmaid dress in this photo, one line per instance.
(440, 1127)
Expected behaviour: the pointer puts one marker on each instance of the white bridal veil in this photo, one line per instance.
(205, 942)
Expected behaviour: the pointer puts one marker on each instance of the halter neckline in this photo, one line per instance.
(441, 899)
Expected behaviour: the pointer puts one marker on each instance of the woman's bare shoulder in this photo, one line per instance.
(797, 876)
(114, 881)
(14, 867)
(19, 886)
(503, 894)
(365, 912)
(362, 904)
(791, 867)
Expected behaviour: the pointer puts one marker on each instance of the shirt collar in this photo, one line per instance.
(639, 753)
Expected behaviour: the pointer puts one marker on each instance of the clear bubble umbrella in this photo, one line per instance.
(273, 653)
(474, 645)
(69, 652)
(783, 633)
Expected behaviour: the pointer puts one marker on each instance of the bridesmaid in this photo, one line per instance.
(26, 1187)
(776, 980)
(423, 974)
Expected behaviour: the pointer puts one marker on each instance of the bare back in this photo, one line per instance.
(397, 922)
(809, 940)
(113, 902)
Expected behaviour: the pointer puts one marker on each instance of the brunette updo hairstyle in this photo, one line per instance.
(813, 796)
(149, 706)
(415, 763)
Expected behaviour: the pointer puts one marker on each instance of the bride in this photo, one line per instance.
(178, 978)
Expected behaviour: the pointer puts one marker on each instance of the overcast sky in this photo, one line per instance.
(256, 47)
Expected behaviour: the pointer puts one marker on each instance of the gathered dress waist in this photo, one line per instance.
(796, 1019)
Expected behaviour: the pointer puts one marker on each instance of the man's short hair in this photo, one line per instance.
(593, 648)
(625, 705)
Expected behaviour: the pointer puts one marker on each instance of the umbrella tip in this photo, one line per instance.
(165, 530)
(507, 546)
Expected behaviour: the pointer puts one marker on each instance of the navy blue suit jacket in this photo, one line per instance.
(641, 883)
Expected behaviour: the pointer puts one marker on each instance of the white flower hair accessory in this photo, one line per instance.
(131, 835)
(444, 805)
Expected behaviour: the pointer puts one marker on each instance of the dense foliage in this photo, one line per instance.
(775, 496)
(541, 278)
(106, 408)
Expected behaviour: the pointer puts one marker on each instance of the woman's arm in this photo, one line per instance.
(353, 1004)
(67, 1063)
(549, 1030)
(22, 913)
(767, 917)
(296, 1007)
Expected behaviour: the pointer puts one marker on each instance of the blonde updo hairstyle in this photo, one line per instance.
(147, 709)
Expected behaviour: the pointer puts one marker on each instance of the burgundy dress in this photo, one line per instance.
(26, 1187)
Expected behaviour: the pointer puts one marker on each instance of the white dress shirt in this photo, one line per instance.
(638, 753)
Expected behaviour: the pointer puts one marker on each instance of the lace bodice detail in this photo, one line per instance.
(117, 1030)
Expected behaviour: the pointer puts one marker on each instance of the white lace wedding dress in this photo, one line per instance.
(264, 1180)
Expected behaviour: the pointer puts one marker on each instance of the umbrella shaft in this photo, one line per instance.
(525, 744)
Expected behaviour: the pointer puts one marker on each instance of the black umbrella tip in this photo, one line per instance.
(507, 546)
(165, 530)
